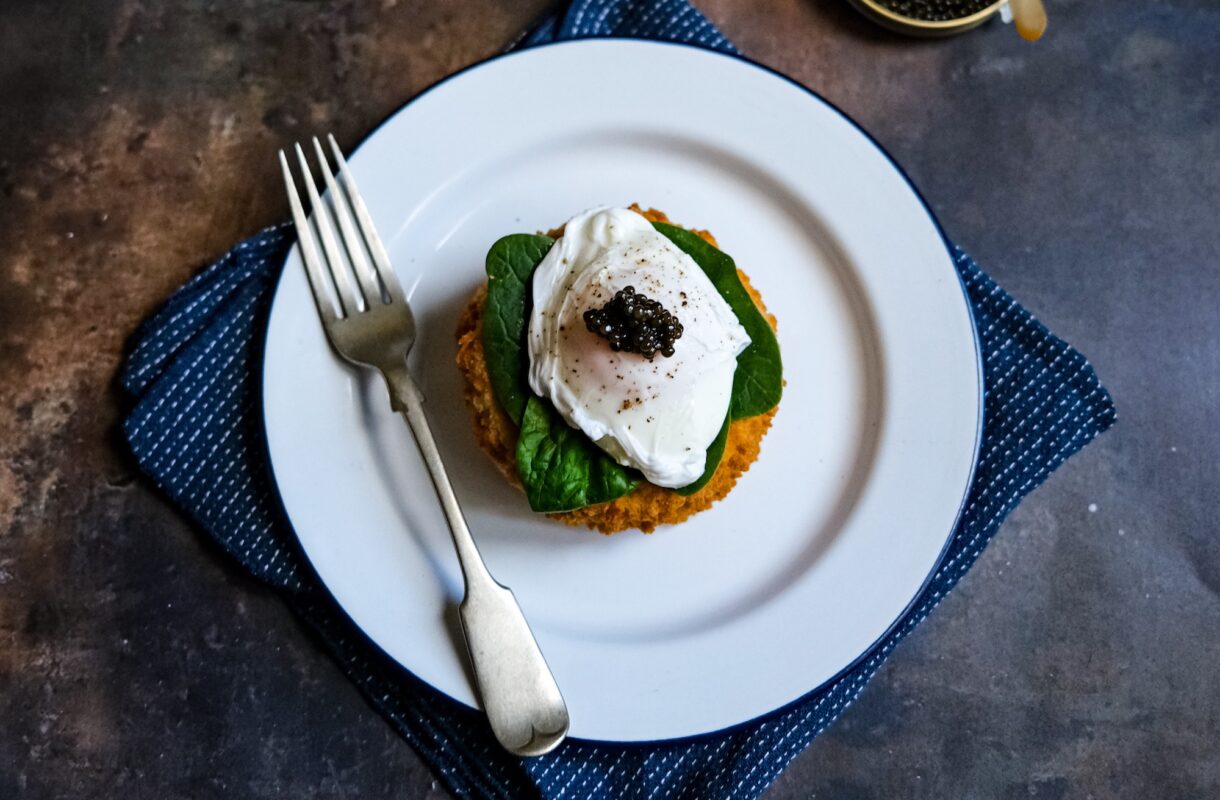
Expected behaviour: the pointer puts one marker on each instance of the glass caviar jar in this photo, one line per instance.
(929, 17)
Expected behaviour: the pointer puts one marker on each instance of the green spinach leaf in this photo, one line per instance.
(758, 381)
(510, 264)
(561, 468)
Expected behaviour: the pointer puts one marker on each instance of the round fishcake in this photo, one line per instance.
(646, 507)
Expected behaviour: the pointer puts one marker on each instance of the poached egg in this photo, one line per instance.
(658, 416)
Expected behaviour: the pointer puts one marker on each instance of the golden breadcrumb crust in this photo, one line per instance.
(648, 506)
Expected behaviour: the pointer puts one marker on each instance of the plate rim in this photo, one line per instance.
(950, 249)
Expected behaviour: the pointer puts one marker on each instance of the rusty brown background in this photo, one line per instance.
(1079, 658)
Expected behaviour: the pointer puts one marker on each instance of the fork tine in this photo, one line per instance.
(376, 249)
(348, 295)
(342, 212)
(309, 249)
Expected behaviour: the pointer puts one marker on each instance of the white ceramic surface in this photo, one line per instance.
(828, 537)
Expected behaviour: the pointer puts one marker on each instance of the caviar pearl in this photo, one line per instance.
(635, 323)
(936, 10)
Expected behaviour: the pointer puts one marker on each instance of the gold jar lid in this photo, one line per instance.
(881, 12)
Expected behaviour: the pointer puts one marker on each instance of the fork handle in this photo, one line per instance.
(406, 399)
(522, 701)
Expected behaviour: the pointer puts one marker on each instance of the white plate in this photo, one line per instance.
(828, 537)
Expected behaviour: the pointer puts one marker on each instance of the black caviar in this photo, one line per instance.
(635, 323)
(936, 10)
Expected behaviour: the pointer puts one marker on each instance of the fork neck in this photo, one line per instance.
(407, 400)
(401, 386)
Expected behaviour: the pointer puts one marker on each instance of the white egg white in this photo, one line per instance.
(657, 416)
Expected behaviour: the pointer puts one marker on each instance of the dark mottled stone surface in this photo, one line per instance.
(1079, 658)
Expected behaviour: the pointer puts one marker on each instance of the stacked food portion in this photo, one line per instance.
(621, 370)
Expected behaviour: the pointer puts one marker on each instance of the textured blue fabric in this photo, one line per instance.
(196, 429)
(666, 20)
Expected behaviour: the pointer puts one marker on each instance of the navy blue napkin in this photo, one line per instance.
(196, 429)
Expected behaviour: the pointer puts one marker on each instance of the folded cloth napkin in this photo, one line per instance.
(195, 427)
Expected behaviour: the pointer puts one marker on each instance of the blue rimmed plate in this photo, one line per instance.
(829, 536)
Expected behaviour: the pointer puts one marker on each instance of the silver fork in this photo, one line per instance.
(372, 326)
